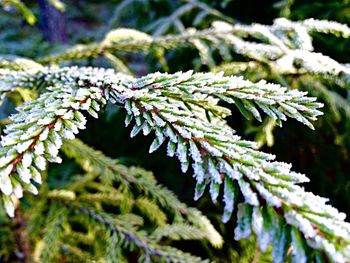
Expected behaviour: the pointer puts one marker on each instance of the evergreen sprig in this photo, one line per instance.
(104, 233)
(124, 234)
(285, 46)
(96, 164)
(182, 109)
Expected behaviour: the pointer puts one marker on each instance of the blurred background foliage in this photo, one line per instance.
(322, 154)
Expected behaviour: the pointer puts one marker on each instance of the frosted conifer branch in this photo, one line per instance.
(285, 45)
(324, 26)
(205, 89)
(273, 203)
(219, 157)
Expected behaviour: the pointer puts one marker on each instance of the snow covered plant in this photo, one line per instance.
(285, 47)
(183, 111)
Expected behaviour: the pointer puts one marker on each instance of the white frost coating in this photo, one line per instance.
(69, 125)
(170, 133)
(27, 159)
(134, 109)
(55, 139)
(211, 149)
(249, 196)
(181, 152)
(24, 173)
(214, 191)
(195, 152)
(23, 146)
(40, 162)
(229, 200)
(36, 176)
(158, 120)
(58, 125)
(51, 148)
(67, 134)
(257, 221)
(243, 228)
(68, 115)
(332, 252)
(199, 172)
(251, 173)
(48, 120)
(160, 135)
(326, 26)
(44, 134)
(268, 196)
(155, 145)
(9, 206)
(171, 148)
(138, 120)
(8, 140)
(31, 188)
(184, 133)
(184, 166)
(17, 189)
(39, 148)
(5, 182)
(6, 159)
(146, 128)
(214, 172)
(232, 172)
(340, 229)
(301, 223)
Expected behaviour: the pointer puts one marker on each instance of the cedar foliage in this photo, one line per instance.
(96, 208)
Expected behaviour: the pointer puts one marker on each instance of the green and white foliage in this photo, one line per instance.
(173, 21)
(111, 205)
(11, 62)
(182, 109)
(156, 197)
(285, 46)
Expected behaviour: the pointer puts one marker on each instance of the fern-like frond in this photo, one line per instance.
(177, 232)
(127, 235)
(142, 180)
(52, 233)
